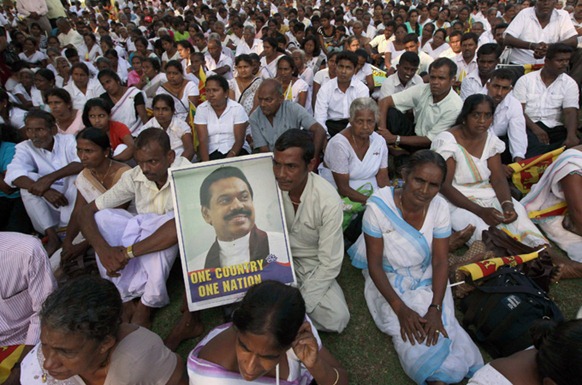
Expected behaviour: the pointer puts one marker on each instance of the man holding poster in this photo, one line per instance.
(313, 212)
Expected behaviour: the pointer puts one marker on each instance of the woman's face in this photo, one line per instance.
(463, 15)
(309, 47)
(284, 70)
(363, 123)
(268, 49)
(399, 34)
(63, 67)
(29, 47)
(163, 112)
(53, 43)
(26, 78)
(80, 77)
(438, 39)
(110, 85)
(183, 51)
(256, 355)
(427, 32)
(479, 120)
(90, 154)
(215, 94)
(297, 59)
(68, 354)
(41, 83)
(422, 184)
(136, 64)
(35, 30)
(58, 106)
(354, 45)
(413, 18)
(99, 118)
(148, 69)
(244, 69)
(175, 77)
(88, 40)
(167, 46)
(357, 29)
(443, 16)
(140, 47)
(331, 64)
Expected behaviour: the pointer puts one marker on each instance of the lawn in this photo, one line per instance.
(365, 352)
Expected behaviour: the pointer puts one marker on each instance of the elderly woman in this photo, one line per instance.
(403, 254)
(220, 123)
(182, 90)
(83, 87)
(243, 87)
(84, 341)
(476, 186)
(128, 102)
(269, 341)
(63, 68)
(69, 120)
(356, 160)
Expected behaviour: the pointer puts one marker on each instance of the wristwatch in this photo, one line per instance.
(397, 142)
(129, 252)
(438, 307)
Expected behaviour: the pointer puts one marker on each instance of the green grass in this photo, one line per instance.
(366, 353)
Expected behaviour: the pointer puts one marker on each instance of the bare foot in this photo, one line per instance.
(459, 238)
(142, 315)
(568, 269)
(53, 241)
(557, 272)
(189, 326)
(128, 310)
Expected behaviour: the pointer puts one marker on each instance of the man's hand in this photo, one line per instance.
(40, 186)
(571, 141)
(55, 198)
(71, 251)
(387, 135)
(542, 136)
(113, 259)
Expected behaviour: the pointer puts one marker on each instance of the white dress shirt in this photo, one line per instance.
(221, 129)
(392, 85)
(94, 90)
(332, 103)
(472, 85)
(223, 60)
(243, 47)
(509, 121)
(464, 68)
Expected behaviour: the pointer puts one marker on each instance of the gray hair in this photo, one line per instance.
(215, 38)
(250, 28)
(300, 52)
(363, 104)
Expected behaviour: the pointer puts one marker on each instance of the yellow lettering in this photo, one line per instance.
(208, 289)
(200, 276)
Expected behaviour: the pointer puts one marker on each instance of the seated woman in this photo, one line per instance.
(243, 87)
(83, 87)
(69, 120)
(182, 90)
(151, 79)
(179, 131)
(100, 173)
(97, 113)
(44, 80)
(403, 254)
(554, 361)
(476, 187)
(220, 123)
(558, 190)
(356, 160)
(269, 340)
(128, 102)
(294, 88)
(84, 341)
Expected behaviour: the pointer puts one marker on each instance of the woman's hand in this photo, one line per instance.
(491, 216)
(434, 326)
(509, 213)
(411, 325)
(305, 346)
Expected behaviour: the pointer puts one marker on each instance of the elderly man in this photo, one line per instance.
(530, 32)
(436, 107)
(136, 252)
(276, 115)
(314, 215)
(248, 43)
(549, 96)
(26, 280)
(216, 61)
(68, 37)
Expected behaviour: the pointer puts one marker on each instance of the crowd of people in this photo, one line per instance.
(392, 127)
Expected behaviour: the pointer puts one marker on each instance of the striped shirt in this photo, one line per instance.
(26, 280)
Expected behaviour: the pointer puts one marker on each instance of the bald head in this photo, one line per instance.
(270, 95)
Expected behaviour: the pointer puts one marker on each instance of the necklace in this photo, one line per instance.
(356, 143)
(402, 207)
(94, 173)
(294, 203)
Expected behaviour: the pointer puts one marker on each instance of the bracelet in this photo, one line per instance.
(397, 142)
(507, 201)
(336, 376)
(129, 252)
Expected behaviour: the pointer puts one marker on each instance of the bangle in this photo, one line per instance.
(397, 142)
(336, 376)
(505, 202)
(129, 252)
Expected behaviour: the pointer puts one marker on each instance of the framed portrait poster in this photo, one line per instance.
(231, 228)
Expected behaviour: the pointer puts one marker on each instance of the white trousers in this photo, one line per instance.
(144, 276)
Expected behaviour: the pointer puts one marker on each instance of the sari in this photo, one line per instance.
(245, 97)
(124, 110)
(407, 264)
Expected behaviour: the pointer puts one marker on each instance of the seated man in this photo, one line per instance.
(137, 252)
(436, 107)
(26, 281)
(332, 107)
(44, 168)
(454, 45)
(545, 95)
(313, 211)
(487, 60)
(508, 121)
(217, 61)
(466, 60)
(405, 76)
(276, 115)
(411, 45)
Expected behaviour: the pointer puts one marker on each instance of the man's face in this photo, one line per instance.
(499, 35)
(39, 133)
(468, 48)
(345, 70)
(269, 100)
(411, 46)
(440, 81)
(544, 7)
(154, 162)
(405, 71)
(498, 89)
(486, 64)
(477, 28)
(290, 169)
(231, 211)
(214, 49)
(455, 43)
(578, 10)
(558, 64)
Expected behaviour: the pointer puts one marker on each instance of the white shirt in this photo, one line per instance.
(543, 103)
(333, 104)
(34, 58)
(94, 90)
(321, 77)
(577, 25)
(526, 26)
(223, 60)
(425, 62)
(381, 42)
(509, 121)
(243, 47)
(176, 130)
(393, 85)
(72, 37)
(221, 130)
(464, 68)
(431, 118)
(434, 53)
(472, 85)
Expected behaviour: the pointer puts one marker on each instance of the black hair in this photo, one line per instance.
(186, 44)
(222, 82)
(71, 52)
(317, 49)
(60, 93)
(108, 73)
(37, 113)
(95, 135)
(410, 58)
(291, 63)
(443, 61)
(470, 36)
(90, 306)
(46, 73)
(489, 49)
(471, 103)
(243, 57)
(169, 100)
(153, 134)
(176, 64)
(554, 49)
(297, 138)
(155, 62)
(502, 73)
(95, 102)
(410, 37)
(82, 66)
(271, 308)
(349, 56)
(422, 157)
(442, 30)
(219, 174)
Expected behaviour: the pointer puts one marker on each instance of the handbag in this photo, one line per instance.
(500, 311)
